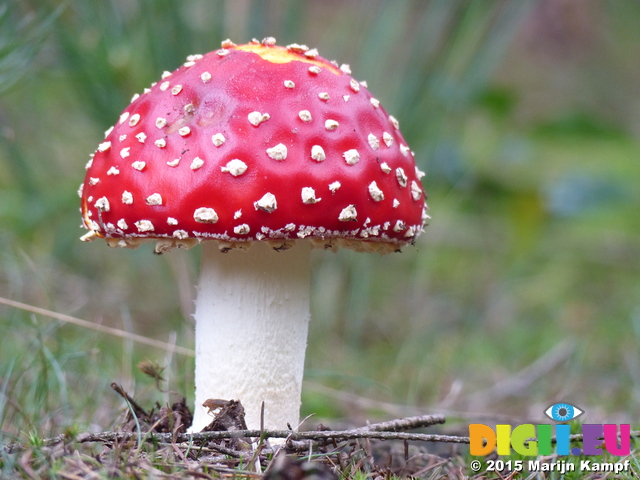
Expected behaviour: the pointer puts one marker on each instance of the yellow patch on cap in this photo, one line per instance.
(277, 54)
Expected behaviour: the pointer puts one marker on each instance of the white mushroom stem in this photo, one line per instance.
(252, 316)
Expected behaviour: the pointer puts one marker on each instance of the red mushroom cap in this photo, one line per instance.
(255, 142)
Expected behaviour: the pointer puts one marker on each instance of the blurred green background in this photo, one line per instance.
(523, 291)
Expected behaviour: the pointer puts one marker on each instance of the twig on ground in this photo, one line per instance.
(315, 436)
(391, 430)
(376, 431)
(402, 424)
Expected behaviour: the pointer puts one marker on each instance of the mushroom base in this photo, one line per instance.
(252, 317)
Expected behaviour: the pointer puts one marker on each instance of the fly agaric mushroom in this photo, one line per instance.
(259, 148)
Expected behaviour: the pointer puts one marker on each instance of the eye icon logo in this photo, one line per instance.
(563, 412)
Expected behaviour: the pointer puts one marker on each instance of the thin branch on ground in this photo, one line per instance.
(107, 437)
(390, 430)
